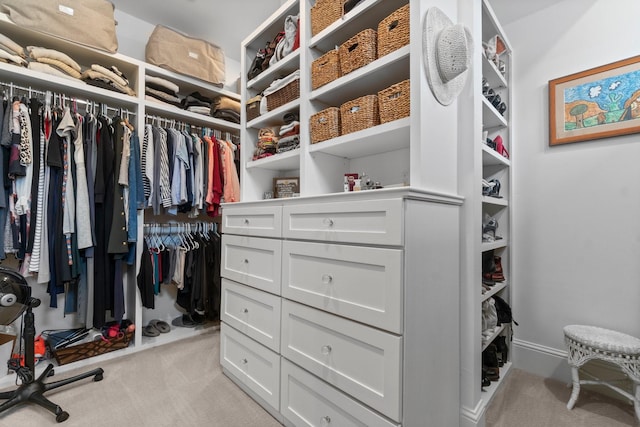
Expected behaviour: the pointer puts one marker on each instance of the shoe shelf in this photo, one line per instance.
(282, 68)
(494, 77)
(499, 286)
(491, 157)
(490, 391)
(178, 333)
(490, 116)
(486, 341)
(498, 244)
(488, 200)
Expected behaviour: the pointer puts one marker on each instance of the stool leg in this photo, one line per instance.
(576, 387)
(636, 401)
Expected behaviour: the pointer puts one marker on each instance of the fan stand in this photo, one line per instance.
(32, 390)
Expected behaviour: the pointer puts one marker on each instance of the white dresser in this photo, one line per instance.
(343, 310)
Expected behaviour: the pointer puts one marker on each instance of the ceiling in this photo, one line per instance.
(227, 23)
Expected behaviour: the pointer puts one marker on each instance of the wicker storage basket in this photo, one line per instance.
(253, 108)
(284, 95)
(91, 349)
(394, 102)
(325, 125)
(393, 31)
(325, 13)
(325, 69)
(358, 51)
(360, 113)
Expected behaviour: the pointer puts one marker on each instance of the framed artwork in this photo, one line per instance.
(598, 103)
(286, 187)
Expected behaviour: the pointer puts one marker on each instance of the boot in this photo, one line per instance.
(502, 349)
(498, 274)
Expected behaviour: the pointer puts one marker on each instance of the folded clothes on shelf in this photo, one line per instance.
(228, 115)
(225, 103)
(10, 46)
(163, 96)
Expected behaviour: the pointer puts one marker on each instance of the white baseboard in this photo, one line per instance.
(540, 360)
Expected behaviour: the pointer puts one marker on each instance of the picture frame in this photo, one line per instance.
(601, 102)
(284, 187)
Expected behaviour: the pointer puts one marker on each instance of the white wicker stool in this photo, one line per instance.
(591, 342)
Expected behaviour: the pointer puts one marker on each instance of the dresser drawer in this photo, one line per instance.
(306, 400)
(361, 361)
(253, 261)
(370, 222)
(252, 312)
(361, 283)
(255, 365)
(262, 221)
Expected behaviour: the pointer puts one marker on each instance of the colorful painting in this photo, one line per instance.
(598, 103)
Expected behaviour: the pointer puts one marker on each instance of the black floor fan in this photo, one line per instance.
(15, 299)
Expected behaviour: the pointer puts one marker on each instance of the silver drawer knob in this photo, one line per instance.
(328, 221)
(245, 310)
(245, 361)
(246, 261)
(326, 278)
(246, 221)
(326, 349)
(326, 419)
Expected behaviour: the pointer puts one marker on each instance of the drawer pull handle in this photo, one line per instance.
(326, 349)
(326, 278)
(245, 310)
(246, 221)
(245, 361)
(326, 419)
(328, 221)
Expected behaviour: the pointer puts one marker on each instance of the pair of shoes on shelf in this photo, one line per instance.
(489, 227)
(155, 328)
(499, 147)
(491, 188)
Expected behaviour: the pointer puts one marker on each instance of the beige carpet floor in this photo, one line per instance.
(181, 384)
(528, 400)
(178, 384)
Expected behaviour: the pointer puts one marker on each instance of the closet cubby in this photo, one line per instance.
(139, 110)
(486, 163)
(322, 166)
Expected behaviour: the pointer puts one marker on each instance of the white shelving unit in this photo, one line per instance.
(485, 163)
(407, 233)
(137, 107)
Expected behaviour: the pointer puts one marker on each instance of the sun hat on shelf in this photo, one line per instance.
(447, 51)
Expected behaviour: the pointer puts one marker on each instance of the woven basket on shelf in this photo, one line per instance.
(360, 113)
(284, 95)
(394, 102)
(253, 108)
(358, 51)
(325, 125)
(325, 13)
(325, 69)
(393, 31)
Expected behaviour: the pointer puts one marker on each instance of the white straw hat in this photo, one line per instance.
(447, 51)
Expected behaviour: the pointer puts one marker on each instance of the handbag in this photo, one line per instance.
(87, 22)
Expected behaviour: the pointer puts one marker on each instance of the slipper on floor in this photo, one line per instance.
(162, 326)
(184, 321)
(150, 331)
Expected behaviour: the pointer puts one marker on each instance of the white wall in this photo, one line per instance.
(576, 206)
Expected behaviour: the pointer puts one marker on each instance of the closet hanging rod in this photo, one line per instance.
(30, 90)
(174, 122)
